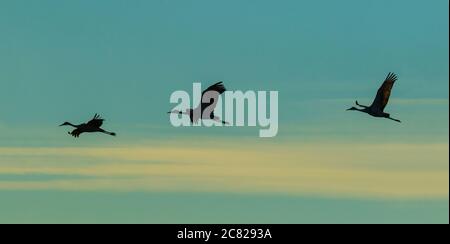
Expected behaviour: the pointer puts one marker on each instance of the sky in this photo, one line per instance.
(67, 60)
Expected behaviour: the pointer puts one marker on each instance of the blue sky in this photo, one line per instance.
(66, 60)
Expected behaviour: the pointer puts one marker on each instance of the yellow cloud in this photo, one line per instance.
(393, 170)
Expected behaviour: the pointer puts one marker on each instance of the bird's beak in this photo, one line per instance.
(61, 125)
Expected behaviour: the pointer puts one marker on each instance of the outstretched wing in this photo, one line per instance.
(382, 98)
(211, 96)
(96, 122)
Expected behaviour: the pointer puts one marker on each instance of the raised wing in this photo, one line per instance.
(211, 94)
(218, 87)
(383, 94)
(96, 122)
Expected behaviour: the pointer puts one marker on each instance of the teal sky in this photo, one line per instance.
(66, 60)
(124, 60)
(212, 208)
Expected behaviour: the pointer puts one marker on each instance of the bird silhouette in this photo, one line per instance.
(381, 100)
(90, 127)
(205, 110)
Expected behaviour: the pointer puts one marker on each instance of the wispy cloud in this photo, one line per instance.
(396, 170)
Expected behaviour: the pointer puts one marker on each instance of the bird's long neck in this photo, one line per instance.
(76, 126)
(189, 113)
(178, 112)
(364, 110)
(360, 105)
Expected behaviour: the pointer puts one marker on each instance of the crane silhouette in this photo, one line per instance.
(91, 126)
(381, 100)
(205, 110)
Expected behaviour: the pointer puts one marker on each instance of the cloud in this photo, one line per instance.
(378, 170)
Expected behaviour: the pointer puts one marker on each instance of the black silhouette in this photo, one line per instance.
(381, 100)
(91, 126)
(205, 110)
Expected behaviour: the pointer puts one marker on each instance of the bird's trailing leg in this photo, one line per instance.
(107, 132)
(217, 119)
(396, 120)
